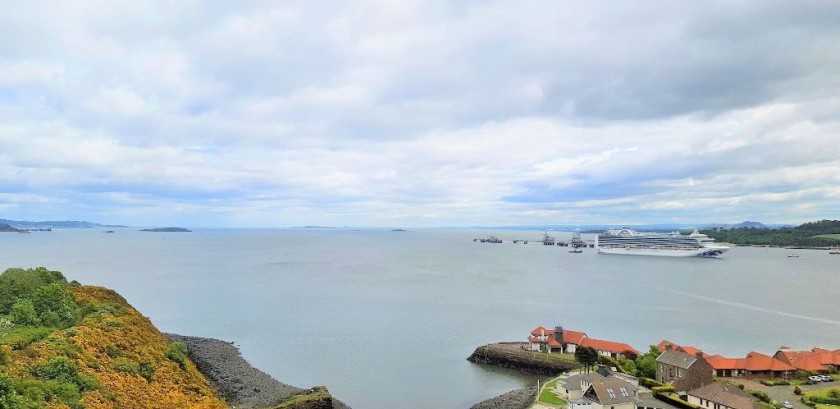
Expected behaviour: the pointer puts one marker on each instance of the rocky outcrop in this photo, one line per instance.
(515, 399)
(245, 387)
(513, 355)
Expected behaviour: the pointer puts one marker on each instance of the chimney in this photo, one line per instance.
(558, 334)
(699, 354)
(669, 347)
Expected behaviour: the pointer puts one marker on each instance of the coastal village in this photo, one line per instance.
(681, 376)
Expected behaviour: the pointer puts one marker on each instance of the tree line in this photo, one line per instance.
(805, 235)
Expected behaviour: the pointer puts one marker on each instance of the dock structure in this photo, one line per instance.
(32, 228)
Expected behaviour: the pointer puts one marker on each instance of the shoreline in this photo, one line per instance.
(244, 386)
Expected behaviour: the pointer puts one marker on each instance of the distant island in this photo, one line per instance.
(168, 230)
(824, 233)
(60, 224)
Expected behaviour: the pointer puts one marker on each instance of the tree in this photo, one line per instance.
(646, 363)
(23, 313)
(8, 396)
(586, 356)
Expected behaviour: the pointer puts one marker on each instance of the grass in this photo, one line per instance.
(824, 406)
(822, 392)
(548, 396)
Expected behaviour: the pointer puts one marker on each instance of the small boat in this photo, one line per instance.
(834, 250)
(576, 251)
(793, 255)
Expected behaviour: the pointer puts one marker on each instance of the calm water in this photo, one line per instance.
(386, 319)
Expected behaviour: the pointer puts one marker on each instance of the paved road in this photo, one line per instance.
(784, 393)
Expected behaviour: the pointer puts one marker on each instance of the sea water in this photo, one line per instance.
(386, 319)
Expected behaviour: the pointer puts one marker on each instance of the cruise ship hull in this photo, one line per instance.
(653, 251)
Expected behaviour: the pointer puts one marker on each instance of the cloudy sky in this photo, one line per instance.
(419, 113)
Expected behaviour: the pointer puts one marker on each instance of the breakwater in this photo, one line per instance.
(512, 355)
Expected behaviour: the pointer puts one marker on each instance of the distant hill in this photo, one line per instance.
(66, 224)
(6, 228)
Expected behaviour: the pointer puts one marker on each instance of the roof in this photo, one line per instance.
(573, 382)
(552, 342)
(608, 346)
(758, 362)
(725, 394)
(722, 363)
(826, 357)
(690, 350)
(804, 360)
(611, 391)
(573, 337)
(754, 361)
(542, 331)
(662, 345)
(677, 358)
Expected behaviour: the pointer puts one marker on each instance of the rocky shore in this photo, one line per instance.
(515, 399)
(242, 385)
(513, 355)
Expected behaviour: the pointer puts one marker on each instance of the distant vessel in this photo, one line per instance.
(576, 250)
(793, 255)
(628, 241)
(548, 240)
(834, 250)
(399, 230)
(489, 239)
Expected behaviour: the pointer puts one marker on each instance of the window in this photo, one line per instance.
(624, 392)
(611, 393)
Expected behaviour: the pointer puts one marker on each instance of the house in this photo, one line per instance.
(610, 348)
(722, 395)
(755, 364)
(599, 390)
(556, 340)
(682, 370)
(817, 359)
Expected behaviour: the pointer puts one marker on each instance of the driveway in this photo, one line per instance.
(783, 392)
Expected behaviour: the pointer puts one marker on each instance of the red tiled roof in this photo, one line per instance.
(552, 342)
(542, 331)
(804, 360)
(826, 357)
(722, 363)
(609, 346)
(535, 340)
(758, 362)
(573, 337)
(690, 350)
(662, 345)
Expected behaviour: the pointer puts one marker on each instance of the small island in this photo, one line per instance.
(168, 230)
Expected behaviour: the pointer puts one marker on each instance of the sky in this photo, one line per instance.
(419, 113)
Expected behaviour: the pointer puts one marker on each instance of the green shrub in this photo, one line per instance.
(177, 352)
(59, 369)
(146, 370)
(649, 383)
(17, 283)
(126, 365)
(761, 395)
(113, 351)
(3, 358)
(19, 338)
(23, 313)
(663, 389)
(797, 391)
(8, 396)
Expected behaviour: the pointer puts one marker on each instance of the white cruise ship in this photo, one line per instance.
(628, 241)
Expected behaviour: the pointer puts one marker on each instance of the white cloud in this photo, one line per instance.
(419, 113)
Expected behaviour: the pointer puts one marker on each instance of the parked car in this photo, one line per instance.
(815, 378)
(787, 405)
(826, 378)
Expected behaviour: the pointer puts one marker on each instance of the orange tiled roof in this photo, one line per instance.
(826, 357)
(662, 345)
(573, 337)
(552, 342)
(609, 346)
(758, 362)
(690, 350)
(722, 363)
(804, 360)
(542, 331)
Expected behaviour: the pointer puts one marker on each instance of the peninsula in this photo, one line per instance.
(5, 228)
